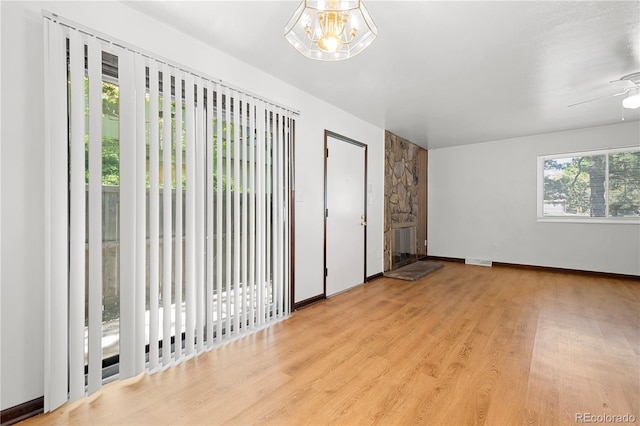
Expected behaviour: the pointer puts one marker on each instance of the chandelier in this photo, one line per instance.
(330, 30)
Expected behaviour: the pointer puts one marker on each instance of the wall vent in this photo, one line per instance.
(480, 262)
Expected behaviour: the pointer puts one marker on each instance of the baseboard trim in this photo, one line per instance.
(308, 302)
(20, 412)
(446, 259)
(568, 271)
(547, 269)
(374, 277)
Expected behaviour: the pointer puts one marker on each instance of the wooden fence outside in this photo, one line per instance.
(111, 247)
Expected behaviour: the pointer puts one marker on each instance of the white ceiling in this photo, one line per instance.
(445, 73)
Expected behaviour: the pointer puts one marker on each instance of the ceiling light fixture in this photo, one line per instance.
(330, 30)
(632, 101)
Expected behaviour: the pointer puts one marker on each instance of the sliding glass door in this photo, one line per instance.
(174, 210)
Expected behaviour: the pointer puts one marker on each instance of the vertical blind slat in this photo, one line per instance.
(252, 214)
(179, 233)
(236, 213)
(77, 215)
(288, 191)
(190, 243)
(209, 147)
(268, 213)
(200, 231)
(127, 213)
(268, 208)
(141, 214)
(167, 193)
(277, 201)
(227, 217)
(56, 218)
(154, 216)
(218, 191)
(285, 216)
(282, 195)
(260, 228)
(94, 62)
(286, 194)
(290, 184)
(243, 214)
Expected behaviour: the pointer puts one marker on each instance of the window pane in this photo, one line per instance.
(110, 220)
(624, 184)
(575, 186)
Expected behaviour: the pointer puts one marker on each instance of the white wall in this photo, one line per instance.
(482, 204)
(21, 193)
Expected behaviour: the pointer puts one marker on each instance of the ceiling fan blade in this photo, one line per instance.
(630, 81)
(623, 83)
(598, 98)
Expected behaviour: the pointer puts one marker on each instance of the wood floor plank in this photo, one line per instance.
(465, 345)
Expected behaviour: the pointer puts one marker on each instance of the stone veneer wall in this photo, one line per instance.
(400, 187)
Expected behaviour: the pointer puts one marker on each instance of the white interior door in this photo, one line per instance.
(345, 221)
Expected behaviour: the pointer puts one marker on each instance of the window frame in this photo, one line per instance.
(579, 219)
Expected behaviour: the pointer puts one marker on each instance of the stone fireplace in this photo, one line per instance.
(405, 206)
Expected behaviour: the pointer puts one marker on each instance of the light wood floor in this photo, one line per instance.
(465, 345)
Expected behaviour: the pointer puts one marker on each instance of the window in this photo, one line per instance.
(590, 186)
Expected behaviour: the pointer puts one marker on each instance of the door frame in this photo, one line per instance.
(327, 134)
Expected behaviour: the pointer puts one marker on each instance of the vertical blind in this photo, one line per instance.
(200, 174)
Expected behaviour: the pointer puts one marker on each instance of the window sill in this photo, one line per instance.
(602, 220)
